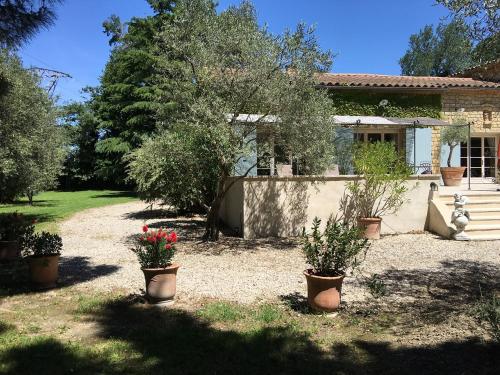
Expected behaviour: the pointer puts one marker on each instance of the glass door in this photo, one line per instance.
(483, 157)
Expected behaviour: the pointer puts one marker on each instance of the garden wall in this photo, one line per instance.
(258, 207)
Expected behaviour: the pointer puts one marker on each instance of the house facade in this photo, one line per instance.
(276, 199)
(474, 96)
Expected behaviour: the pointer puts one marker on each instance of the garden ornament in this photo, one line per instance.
(460, 217)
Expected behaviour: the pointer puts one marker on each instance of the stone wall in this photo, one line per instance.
(474, 106)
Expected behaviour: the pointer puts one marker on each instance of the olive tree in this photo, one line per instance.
(453, 135)
(31, 144)
(228, 67)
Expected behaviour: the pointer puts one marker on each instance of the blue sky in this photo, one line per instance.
(368, 36)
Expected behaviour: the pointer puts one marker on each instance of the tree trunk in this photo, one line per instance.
(212, 224)
(30, 197)
(450, 154)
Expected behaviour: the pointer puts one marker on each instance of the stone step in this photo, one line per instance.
(483, 227)
(484, 236)
(484, 210)
(483, 221)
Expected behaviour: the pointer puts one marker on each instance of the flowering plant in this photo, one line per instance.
(155, 248)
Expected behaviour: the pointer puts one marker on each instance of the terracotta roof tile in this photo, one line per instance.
(379, 80)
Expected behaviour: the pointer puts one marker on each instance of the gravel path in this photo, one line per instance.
(97, 256)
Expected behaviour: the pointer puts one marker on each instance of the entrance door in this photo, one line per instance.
(483, 155)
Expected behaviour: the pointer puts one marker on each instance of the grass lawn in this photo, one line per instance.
(65, 332)
(53, 206)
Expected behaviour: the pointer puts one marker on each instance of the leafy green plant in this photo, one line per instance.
(488, 311)
(335, 250)
(381, 184)
(453, 135)
(376, 286)
(41, 244)
(155, 249)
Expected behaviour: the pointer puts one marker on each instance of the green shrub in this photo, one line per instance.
(336, 250)
(381, 185)
(41, 244)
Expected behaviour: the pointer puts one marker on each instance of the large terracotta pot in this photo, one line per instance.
(9, 250)
(452, 176)
(370, 227)
(323, 292)
(44, 270)
(161, 283)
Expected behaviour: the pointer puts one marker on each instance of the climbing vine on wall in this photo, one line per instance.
(385, 104)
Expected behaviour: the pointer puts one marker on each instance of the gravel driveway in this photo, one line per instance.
(97, 256)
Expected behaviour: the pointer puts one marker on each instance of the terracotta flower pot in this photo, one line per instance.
(161, 283)
(452, 176)
(44, 270)
(9, 250)
(370, 227)
(323, 292)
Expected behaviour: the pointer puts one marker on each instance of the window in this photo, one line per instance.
(372, 137)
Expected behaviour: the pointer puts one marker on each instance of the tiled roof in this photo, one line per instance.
(379, 80)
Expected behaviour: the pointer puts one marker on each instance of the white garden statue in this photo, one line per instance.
(460, 217)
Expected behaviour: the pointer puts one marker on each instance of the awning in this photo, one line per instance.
(388, 121)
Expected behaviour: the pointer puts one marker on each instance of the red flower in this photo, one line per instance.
(168, 246)
(145, 228)
(173, 237)
(141, 238)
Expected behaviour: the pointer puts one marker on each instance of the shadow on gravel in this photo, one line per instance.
(145, 340)
(435, 295)
(72, 270)
(77, 269)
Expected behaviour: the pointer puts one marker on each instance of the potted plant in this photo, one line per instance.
(330, 254)
(12, 229)
(155, 250)
(43, 251)
(452, 136)
(380, 186)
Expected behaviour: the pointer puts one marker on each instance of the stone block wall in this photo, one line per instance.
(480, 107)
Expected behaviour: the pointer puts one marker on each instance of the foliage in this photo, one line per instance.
(352, 102)
(21, 19)
(81, 126)
(376, 286)
(176, 167)
(488, 311)
(443, 53)
(453, 135)
(483, 16)
(155, 249)
(53, 206)
(41, 244)
(31, 144)
(227, 65)
(13, 226)
(126, 103)
(336, 250)
(381, 184)
(487, 49)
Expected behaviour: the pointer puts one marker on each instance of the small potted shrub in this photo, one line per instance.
(330, 254)
(155, 250)
(42, 251)
(452, 136)
(380, 187)
(12, 228)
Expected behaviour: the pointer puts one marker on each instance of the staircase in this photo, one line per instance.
(484, 209)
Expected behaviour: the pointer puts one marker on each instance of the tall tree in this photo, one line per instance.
(229, 67)
(31, 143)
(126, 102)
(21, 19)
(82, 135)
(483, 16)
(444, 52)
